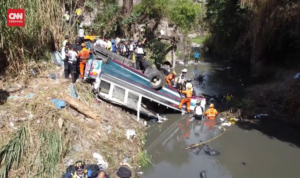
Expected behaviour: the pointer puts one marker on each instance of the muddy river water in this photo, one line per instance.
(245, 152)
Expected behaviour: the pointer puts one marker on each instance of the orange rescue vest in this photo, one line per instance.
(211, 113)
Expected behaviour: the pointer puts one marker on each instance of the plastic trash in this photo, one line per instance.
(108, 129)
(130, 134)
(29, 95)
(59, 103)
(32, 71)
(202, 174)
(260, 116)
(211, 152)
(226, 124)
(52, 76)
(100, 160)
(73, 92)
(297, 76)
(222, 119)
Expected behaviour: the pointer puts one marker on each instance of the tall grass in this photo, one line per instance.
(20, 45)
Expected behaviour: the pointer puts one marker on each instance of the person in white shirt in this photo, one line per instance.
(72, 62)
(65, 57)
(181, 79)
(198, 110)
(131, 49)
(81, 34)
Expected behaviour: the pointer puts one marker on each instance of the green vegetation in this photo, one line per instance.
(144, 159)
(19, 45)
(252, 31)
(199, 39)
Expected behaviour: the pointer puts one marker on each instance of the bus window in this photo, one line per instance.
(132, 100)
(118, 93)
(104, 87)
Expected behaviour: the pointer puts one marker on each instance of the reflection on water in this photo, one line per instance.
(244, 154)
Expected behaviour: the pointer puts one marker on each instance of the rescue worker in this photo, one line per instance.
(198, 111)
(187, 100)
(83, 56)
(229, 96)
(181, 79)
(65, 57)
(211, 113)
(189, 83)
(82, 172)
(170, 78)
(72, 63)
(114, 46)
(109, 44)
(67, 17)
(67, 37)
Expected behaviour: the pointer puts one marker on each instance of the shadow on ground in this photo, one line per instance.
(3, 96)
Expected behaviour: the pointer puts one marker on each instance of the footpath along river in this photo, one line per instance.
(245, 152)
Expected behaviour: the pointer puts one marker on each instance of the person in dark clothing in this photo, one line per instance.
(140, 54)
(77, 46)
(65, 56)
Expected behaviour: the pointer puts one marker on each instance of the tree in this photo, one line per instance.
(184, 14)
(127, 7)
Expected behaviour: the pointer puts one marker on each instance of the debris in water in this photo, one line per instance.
(211, 152)
(140, 173)
(297, 76)
(244, 163)
(202, 174)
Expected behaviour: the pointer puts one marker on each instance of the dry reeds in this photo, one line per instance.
(19, 45)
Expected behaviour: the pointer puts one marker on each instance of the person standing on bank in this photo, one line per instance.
(81, 34)
(139, 54)
(196, 57)
(65, 57)
(73, 63)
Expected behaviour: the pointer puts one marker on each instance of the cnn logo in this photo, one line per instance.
(15, 17)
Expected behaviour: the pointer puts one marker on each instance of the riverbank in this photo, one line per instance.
(42, 140)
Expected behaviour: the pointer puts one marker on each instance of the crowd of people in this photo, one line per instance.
(75, 56)
(82, 170)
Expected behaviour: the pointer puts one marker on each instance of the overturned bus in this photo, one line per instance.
(114, 79)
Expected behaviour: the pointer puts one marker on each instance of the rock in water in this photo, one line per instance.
(202, 174)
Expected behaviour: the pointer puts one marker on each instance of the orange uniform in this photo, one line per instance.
(84, 55)
(170, 78)
(187, 100)
(211, 113)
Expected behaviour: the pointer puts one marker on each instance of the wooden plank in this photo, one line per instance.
(81, 107)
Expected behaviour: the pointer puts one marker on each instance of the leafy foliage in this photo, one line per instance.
(156, 51)
(152, 8)
(184, 13)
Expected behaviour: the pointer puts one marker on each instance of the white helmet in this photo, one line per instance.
(184, 70)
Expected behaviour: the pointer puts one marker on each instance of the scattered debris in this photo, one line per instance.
(211, 152)
(100, 161)
(59, 103)
(202, 174)
(32, 71)
(140, 173)
(81, 107)
(297, 75)
(73, 92)
(60, 122)
(29, 95)
(130, 134)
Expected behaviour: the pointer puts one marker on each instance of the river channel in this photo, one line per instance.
(246, 152)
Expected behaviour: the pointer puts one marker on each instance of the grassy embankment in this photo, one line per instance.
(39, 143)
